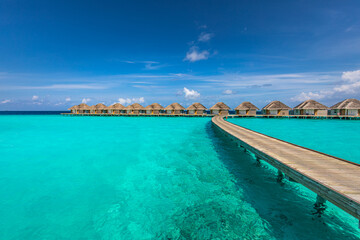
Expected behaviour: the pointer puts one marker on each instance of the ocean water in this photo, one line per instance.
(340, 138)
(146, 178)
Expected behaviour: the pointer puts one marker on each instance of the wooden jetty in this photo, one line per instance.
(331, 178)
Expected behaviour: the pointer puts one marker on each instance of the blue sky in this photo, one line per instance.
(55, 54)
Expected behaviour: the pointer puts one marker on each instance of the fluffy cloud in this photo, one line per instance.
(67, 99)
(5, 101)
(34, 98)
(350, 85)
(229, 92)
(351, 76)
(205, 37)
(351, 82)
(310, 95)
(194, 54)
(191, 94)
(125, 101)
(86, 100)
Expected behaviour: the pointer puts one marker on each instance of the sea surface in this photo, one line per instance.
(150, 178)
(337, 137)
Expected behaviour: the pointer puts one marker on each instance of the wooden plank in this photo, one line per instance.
(334, 179)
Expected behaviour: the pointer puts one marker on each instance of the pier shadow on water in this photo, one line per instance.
(286, 208)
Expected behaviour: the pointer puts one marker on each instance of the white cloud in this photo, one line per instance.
(67, 99)
(5, 101)
(130, 62)
(86, 100)
(351, 76)
(191, 94)
(205, 37)
(350, 85)
(229, 92)
(194, 54)
(128, 101)
(34, 98)
(66, 86)
(309, 95)
(153, 65)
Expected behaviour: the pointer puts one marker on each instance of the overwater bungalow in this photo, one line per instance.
(154, 108)
(220, 108)
(98, 109)
(246, 109)
(348, 107)
(116, 108)
(311, 107)
(74, 109)
(174, 108)
(197, 109)
(81, 108)
(135, 108)
(276, 108)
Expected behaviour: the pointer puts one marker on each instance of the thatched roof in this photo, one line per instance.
(246, 106)
(174, 106)
(220, 106)
(154, 106)
(76, 107)
(276, 105)
(83, 106)
(98, 106)
(135, 106)
(351, 103)
(116, 106)
(311, 104)
(196, 106)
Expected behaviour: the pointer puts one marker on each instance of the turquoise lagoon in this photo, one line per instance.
(340, 138)
(155, 178)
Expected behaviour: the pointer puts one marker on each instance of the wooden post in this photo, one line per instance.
(258, 162)
(280, 176)
(319, 205)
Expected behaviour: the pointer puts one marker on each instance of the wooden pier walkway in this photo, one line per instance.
(331, 178)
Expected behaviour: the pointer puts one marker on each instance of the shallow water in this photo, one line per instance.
(146, 178)
(340, 138)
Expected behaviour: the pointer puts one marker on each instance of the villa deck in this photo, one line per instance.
(331, 178)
